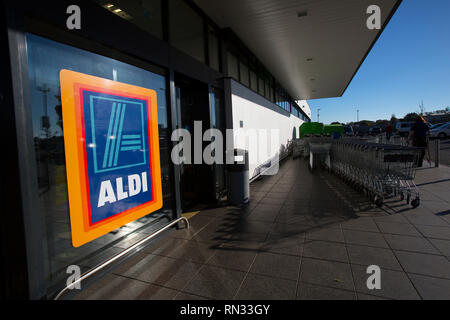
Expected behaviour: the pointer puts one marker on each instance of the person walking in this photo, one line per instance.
(388, 132)
(418, 135)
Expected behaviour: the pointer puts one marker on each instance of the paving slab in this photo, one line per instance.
(307, 291)
(303, 236)
(394, 284)
(260, 287)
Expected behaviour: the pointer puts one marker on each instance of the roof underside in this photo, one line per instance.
(333, 34)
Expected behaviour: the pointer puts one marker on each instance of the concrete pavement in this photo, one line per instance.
(303, 236)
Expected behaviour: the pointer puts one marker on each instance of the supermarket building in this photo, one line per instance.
(229, 64)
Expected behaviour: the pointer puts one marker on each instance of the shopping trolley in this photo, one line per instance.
(319, 151)
(381, 171)
(299, 148)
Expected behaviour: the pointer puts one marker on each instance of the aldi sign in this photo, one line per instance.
(112, 153)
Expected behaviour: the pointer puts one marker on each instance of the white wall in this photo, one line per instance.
(258, 113)
(305, 107)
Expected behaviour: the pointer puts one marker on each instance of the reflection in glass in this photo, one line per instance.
(213, 43)
(244, 74)
(253, 81)
(146, 14)
(261, 86)
(218, 122)
(46, 58)
(269, 93)
(233, 68)
(186, 29)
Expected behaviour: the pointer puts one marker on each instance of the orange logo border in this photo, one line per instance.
(75, 150)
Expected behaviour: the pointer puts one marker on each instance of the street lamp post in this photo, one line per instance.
(318, 115)
(45, 120)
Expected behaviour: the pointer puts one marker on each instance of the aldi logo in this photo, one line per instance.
(112, 153)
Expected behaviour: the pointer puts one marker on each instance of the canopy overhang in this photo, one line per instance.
(313, 47)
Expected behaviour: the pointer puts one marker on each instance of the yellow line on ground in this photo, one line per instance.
(189, 215)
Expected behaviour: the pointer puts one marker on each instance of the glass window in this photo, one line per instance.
(278, 97)
(186, 29)
(213, 49)
(243, 69)
(253, 81)
(269, 88)
(261, 86)
(146, 14)
(218, 122)
(233, 69)
(46, 58)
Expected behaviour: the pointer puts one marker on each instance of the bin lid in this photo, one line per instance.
(241, 161)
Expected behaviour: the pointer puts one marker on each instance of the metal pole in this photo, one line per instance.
(437, 155)
(121, 254)
(45, 119)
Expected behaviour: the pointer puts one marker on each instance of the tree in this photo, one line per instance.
(393, 120)
(411, 116)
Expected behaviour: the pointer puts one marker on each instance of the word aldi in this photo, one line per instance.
(112, 154)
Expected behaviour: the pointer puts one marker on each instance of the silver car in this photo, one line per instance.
(441, 132)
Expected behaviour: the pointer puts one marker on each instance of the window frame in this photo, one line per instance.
(43, 19)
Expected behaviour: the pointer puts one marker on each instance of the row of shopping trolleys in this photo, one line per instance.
(382, 171)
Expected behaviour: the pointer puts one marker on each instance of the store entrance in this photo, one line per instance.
(196, 180)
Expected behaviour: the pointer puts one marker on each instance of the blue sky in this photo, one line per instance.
(409, 63)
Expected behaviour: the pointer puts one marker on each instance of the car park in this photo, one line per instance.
(403, 128)
(374, 131)
(348, 131)
(441, 132)
(437, 125)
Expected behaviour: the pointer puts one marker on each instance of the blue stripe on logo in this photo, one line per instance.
(119, 138)
(108, 140)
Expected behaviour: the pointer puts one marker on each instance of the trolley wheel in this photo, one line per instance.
(415, 203)
(378, 201)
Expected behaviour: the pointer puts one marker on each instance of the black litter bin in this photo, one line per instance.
(238, 178)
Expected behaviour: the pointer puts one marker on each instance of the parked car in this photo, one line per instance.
(348, 131)
(403, 128)
(437, 125)
(374, 131)
(441, 132)
(361, 131)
